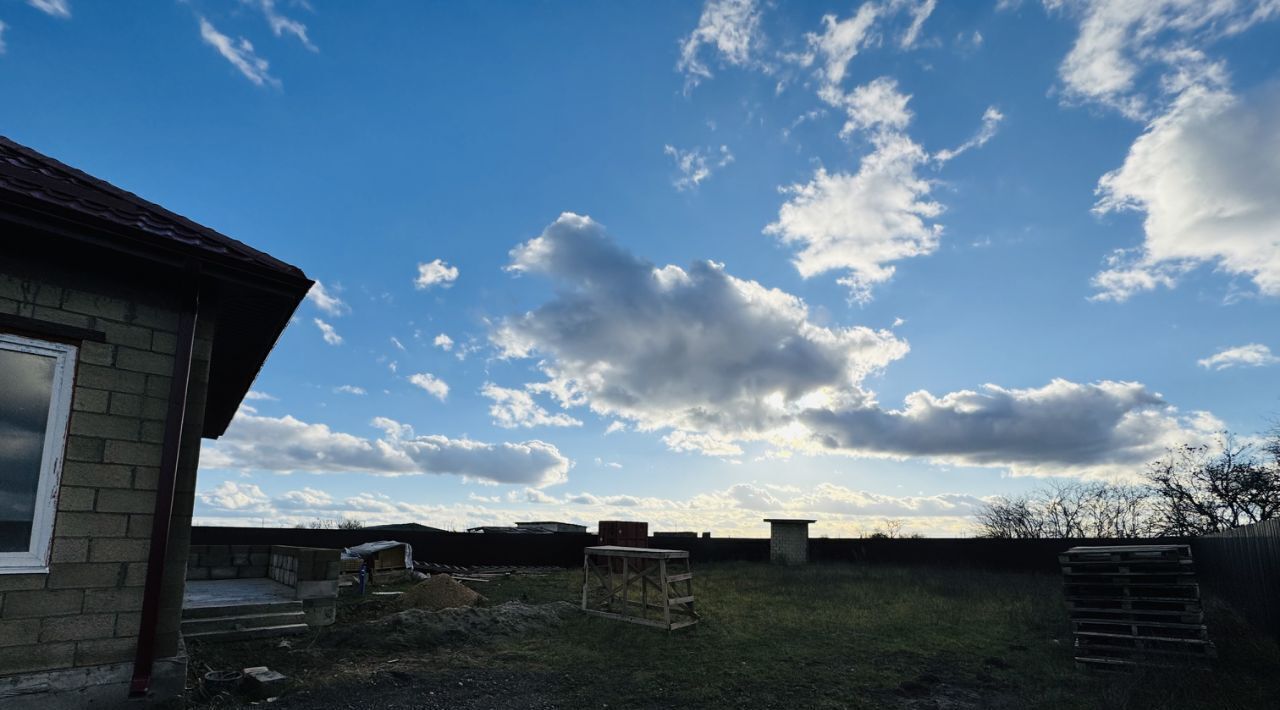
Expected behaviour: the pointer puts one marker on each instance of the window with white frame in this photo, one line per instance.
(35, 403)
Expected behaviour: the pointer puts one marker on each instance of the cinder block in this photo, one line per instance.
(146, 361)
(93, 304)
(126, 405)
(96, 475)
(127, 599)
(74, 498)
(158, 386)
(317, 589)
(109, 378)
(136, 574)
(97, 353)
(87, 400)
(69, 549)
(19, 632)
(197, 572)
(90, 525)
(106, 426)
(120, 549)
(84, 575)
(100, 651)
(44, 657)
(127, 624)
(127, 452)
(42, 602)
(166, 343)
(21, 582)
(57, 315)
(153, 431)
(152, 317)
(124, 334)
(155, 408)
(78, 628)
(261, 682)
(140, 525)
(126, 500)
(222, 573)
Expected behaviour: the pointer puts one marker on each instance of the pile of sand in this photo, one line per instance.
(438, 592)
(417, 629)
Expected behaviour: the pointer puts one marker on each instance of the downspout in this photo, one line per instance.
(162, 521)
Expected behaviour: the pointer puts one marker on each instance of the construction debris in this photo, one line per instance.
(261, 683)
(438, 592)
(419, 629)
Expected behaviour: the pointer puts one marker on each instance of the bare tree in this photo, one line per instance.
(1067, 510)
(1207, 489)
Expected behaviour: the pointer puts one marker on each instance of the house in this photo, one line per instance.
(127, 334)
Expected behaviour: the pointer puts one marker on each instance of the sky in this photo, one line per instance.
(701, 264)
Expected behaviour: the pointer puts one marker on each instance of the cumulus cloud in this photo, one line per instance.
(241, 55)
(1206, 175)
(840, 41)
(306, 499)
(694, 350)
(230, 495)
(55, 8)
(696, 165)
(1104, 429)
(431, 384)
(282, 25)
(731, 28)
(861, 223)
(435, 273)
(286, 445)
(327, 302)
(513, 408)
(256, 395)
(1130, 55)
(350, 389)
(1251, 355)
(444, 342)
(327, 332)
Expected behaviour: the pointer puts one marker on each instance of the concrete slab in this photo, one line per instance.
(228, 592)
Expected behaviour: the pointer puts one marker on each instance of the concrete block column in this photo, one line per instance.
(788, 541)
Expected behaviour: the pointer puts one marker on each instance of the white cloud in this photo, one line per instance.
(256, 395)
(287, 445)
(1251, 355)
(396, 342)
(306, 499)
(55, 8)
(326, 301)
(991, 119)
(431, 384)
(1206, 174)
(3, 27)
(330, 335)
(695, 350)
(350, 389)
(282, 25)
(607, 464)
(731, 27)
(861, 223)
(694, 166)
(443, 342)
(435, 273)
(233, 496)
(705, 444)
(1131, 54)
(516, 408)
(840, 42)
(1104, 429)
(240, 54)
(919, 12)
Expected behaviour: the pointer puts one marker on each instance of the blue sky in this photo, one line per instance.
(700, 264)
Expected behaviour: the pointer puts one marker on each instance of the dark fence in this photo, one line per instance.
(565, 549)
(1243, 567)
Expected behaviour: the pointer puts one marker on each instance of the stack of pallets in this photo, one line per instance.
(1135, 605)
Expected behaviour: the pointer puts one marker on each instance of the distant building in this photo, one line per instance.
(507, 529)
(405, 527)
(553, 526)
(127, 334)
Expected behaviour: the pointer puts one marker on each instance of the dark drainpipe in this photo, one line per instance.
(162, 521)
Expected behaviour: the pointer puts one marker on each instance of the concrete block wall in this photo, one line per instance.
(313, 573)
(85, 611)
(789, 544)
(228, 561)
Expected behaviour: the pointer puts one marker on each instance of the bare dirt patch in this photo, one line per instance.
(439, 592)
(418, 629)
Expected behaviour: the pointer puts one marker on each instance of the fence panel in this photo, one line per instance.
(1243, 567)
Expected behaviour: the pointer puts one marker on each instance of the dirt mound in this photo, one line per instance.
(438, 592)
(421, 629)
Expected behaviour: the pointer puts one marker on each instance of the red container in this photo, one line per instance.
(624, 533)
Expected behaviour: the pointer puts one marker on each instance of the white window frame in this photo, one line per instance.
(36, 558)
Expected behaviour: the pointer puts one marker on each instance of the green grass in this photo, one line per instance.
(839, 636)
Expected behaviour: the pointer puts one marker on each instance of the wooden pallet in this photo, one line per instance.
(650, 587)
(1134, 605)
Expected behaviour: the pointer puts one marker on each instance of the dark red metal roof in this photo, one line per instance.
(26, 173)
(255, 293)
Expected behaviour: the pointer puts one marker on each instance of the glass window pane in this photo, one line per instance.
(26, 387)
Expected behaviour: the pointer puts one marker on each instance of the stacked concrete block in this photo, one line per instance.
(84, 612)
(228, 561)
(313, 573)
(788, 541)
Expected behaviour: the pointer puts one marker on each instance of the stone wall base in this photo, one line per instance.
(105, 686)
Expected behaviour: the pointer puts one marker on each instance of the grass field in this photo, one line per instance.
(822, 636)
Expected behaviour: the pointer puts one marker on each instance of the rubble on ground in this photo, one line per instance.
(420, 629)
(438, 592)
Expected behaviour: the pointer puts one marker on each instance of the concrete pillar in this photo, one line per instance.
(788, 541)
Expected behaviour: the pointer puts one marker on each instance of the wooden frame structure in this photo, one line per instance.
(640, 585)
